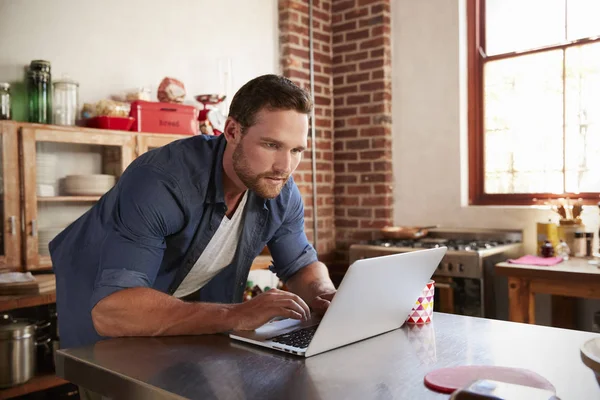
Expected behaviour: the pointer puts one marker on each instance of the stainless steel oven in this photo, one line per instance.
(465, 279)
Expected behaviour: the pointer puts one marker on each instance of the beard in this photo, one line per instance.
(258, 183)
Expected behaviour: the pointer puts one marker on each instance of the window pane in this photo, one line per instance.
(523, 124)
(514, 25)
(582, 19)
(583, 118)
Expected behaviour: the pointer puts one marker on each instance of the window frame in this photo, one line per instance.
(476, 59)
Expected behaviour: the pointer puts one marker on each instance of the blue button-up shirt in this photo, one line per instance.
(149, 230)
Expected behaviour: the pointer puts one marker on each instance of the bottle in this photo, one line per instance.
(589, 238)
(547, 250)
(5, 107)
(562, 250)
(39, 81)
(579, 244)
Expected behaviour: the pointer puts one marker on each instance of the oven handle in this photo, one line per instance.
(442, 285)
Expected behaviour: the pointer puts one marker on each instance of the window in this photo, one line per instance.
(534, 100)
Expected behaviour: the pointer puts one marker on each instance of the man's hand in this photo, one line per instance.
(266, 306)
(320, 304)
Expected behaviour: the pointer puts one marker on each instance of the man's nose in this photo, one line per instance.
(283, 162)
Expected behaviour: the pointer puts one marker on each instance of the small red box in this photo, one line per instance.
(155, 117)
(113, 123)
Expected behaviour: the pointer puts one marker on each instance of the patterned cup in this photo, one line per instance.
(422, 312)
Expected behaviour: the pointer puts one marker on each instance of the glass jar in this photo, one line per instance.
(39, 81)
(38, 92)
(562, 250)
(65, 102)
(579, 242)
(547, 249)
(5, 101)
(589, 239)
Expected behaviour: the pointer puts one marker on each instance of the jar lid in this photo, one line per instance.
(65, 81)
(16, 330)
(40, 64)
(4, 85)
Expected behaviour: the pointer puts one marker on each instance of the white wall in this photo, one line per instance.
(430, 125)
(112, 45)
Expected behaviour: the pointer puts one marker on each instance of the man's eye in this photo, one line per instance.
(271, 145)
(297, 151)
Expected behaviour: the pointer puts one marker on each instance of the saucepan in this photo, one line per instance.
(406, 232)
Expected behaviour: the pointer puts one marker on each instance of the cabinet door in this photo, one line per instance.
(52, 201)
(150, 141)
(10, 234)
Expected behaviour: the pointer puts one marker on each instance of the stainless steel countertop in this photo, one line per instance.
(389, 366)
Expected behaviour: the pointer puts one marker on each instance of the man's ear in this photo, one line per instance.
(232, 131)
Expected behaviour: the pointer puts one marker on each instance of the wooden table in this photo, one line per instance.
(574, 278)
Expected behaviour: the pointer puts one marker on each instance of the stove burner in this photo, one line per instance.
(452, 244)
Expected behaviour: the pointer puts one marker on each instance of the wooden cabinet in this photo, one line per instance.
(31, 215)
(151, 141)
(10, 210)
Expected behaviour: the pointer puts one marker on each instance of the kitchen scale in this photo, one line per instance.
(211, 119)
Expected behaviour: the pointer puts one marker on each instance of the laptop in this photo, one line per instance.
(375, 296)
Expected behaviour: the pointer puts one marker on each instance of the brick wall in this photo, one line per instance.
(362, 88)
(352, 55)
(294, 51)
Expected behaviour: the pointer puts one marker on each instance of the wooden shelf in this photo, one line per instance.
(37, 383)
(71, 199)
(13, 302)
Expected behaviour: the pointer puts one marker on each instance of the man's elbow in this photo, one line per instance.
(101, 321)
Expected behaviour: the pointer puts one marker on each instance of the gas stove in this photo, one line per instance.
(471, 257)
(451, 244)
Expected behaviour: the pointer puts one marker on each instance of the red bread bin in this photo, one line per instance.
(155, 117)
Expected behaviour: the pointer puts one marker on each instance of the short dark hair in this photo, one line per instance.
(273, 92)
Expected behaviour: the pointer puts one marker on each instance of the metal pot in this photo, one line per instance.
(405, 232)
(17, 353)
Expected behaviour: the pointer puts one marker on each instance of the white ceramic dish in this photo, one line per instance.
(590, 355)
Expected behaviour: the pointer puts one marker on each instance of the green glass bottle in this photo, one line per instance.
(39, 83)
(38, 93)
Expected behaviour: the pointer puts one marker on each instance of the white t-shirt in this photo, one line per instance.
(218, 253)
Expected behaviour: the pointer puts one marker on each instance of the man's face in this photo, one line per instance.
(270, 150)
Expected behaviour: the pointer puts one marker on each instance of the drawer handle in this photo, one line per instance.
(12, 222)
(33, 227)
(442, 285)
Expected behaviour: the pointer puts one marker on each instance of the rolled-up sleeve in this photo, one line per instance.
(148, 209)
(289, 247)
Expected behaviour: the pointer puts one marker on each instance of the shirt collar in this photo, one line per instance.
(215, 188)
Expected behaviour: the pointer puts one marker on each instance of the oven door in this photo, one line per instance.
(443, 295)
(456, 295)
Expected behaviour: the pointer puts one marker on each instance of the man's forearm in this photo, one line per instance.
(148, 312)
(311, 281)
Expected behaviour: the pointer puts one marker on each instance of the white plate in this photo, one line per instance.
(590, 355)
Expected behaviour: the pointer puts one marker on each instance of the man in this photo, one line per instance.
(167, 251)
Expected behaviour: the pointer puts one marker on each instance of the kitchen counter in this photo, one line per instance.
(389, 366)
(574, 278)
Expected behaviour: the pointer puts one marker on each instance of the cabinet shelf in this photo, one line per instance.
(35, 384)
(68, 199)
(22, 301)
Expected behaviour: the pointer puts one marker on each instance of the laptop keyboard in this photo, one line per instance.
(299, 338)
